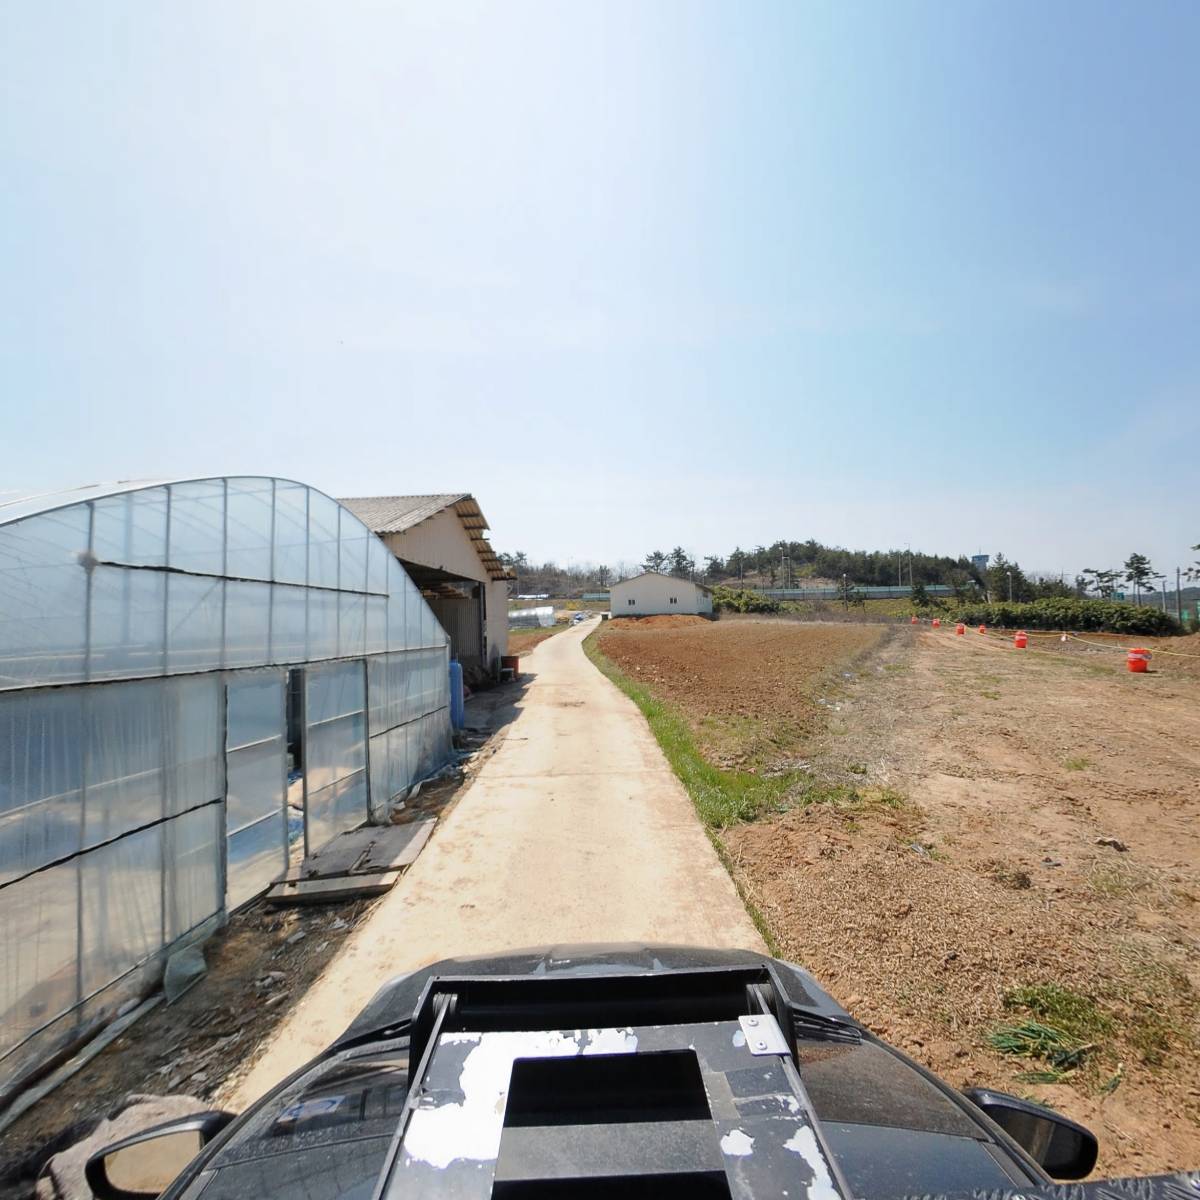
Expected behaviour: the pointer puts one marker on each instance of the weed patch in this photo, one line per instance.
(1074, 1014)
(1062, 1028)
(1032, 1039)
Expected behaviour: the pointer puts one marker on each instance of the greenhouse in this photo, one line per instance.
(200, 682)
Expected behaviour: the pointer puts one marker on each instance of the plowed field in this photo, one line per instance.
(751, 690)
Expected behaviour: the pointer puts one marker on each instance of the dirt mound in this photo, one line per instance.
(663, 621)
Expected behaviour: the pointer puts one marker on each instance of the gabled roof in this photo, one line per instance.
(663, 575)
(396, 514)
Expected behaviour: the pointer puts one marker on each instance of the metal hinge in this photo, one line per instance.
(763, 1035)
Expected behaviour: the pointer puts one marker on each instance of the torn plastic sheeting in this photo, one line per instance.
(184, 970)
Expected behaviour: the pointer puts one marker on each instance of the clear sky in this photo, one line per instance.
(633, 273)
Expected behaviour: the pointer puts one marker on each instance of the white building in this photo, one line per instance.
(440, 542)
(652, 594)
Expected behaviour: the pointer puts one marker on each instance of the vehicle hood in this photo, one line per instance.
(394, 1003)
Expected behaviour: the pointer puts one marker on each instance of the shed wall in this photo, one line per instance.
(497, 620)
(651, 595)
(441, 542)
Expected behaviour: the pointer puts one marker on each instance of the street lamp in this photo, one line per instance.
(1009, 574)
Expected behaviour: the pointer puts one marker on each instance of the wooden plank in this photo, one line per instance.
(26, 1100)
(329, 891)
(400, 847)
(367, 851)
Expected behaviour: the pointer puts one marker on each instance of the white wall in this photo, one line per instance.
(651, 595)
(497, 620)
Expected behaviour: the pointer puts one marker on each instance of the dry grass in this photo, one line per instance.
(1124, 879)
(522, 641)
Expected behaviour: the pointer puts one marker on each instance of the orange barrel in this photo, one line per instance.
(513, 661)
(960, 629)
(1021, 639)
(1138, 659)
(983, 629)
(936, 622)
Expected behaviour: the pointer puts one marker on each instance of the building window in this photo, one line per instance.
(674, 600)
(631, 601)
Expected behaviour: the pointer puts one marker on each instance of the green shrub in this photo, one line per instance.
(743, 601)
(1088, 616)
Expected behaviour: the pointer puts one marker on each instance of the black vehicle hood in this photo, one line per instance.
(394, 1003)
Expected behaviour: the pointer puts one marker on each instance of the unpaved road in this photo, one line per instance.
(576, 830)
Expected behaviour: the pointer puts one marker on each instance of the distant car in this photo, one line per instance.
(635, 1071)
(578, 617)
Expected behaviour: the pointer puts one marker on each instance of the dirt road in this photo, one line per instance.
(576, 830)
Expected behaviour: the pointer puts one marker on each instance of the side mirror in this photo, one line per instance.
(1063, 1149)
(147, 1163)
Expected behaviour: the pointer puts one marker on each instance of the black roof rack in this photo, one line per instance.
(654, 1084)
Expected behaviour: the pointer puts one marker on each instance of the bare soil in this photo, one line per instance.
(984, 870)
(752, 690)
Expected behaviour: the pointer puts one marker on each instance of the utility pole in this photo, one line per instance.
(1178, 597)
(1009, 574)
(845, 593)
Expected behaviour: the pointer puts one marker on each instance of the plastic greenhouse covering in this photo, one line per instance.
(146, 637)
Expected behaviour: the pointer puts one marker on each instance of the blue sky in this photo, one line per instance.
(633, 273)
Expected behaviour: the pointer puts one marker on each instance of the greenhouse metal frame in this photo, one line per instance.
(200, 680)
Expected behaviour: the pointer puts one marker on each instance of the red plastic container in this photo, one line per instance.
(912, 620)
(1021, 639)
(983, 629)
(960, 629)
(936, 622)
(1138, 659)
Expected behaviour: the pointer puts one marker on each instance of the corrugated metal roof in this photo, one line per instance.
(395, 514)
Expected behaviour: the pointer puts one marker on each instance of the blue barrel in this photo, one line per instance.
(458, 710)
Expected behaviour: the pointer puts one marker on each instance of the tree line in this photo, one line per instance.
(789, 564)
